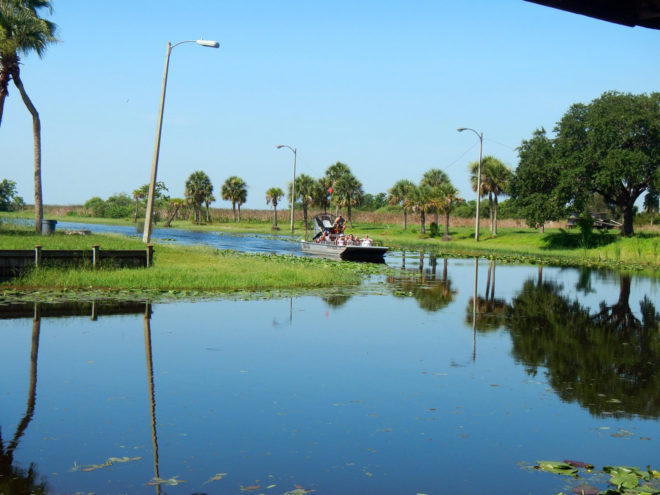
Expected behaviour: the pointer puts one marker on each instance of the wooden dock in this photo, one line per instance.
(14, 261)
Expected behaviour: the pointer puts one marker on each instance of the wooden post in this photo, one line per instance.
(95, 256)
(150, 254)
(37, 312)
(37, 255)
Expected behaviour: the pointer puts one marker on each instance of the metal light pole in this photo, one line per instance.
(293, 183)
(480, 135)
(154, 164)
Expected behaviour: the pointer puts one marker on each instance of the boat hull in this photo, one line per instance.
(373, 254)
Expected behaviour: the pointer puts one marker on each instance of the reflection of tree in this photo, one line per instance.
(619, 316)
(490, 312)
(430, 292)
(15, 480)
(336, 299)
(608, 361)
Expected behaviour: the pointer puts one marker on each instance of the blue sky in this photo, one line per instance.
(378, 85)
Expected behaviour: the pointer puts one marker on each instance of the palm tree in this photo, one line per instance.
(347, 192)
(434, 178)
(305, 190)
(495, 180)
(273, 195)
(22, 31)
(448, 197)
(401, 193)
(333, 173)
(322, 191)
(235, 190)
(198, 190)
(175, 205)
(422, 201)
(138, 195)
(208, 199)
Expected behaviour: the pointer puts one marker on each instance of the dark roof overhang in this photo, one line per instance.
(644, 13)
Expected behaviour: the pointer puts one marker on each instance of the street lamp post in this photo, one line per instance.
(480, 135)
(159, 126)
(293, 183)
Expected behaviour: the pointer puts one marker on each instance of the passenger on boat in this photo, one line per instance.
(366, 241)
(338, 225)
(341, 240)
(350, 240)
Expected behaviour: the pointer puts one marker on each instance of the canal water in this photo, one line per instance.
(421, 382)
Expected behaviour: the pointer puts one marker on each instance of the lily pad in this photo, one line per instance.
(556, 468)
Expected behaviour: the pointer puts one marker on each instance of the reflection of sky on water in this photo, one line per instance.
(371, 396)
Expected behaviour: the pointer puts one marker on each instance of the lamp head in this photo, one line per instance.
(279, 146)
(208, 43)
(461, 129)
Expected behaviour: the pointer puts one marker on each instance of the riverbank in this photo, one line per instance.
(186, 270)
(606, 249)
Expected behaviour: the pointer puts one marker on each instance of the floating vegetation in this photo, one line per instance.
(623, 480)
(173, 481)
(109, 462)
(215, 477)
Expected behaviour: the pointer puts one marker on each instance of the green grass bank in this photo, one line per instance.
(556, 246)
(182, 269)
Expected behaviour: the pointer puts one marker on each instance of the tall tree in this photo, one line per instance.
(347, 193)
(612, 147)
(448, 197)
(333, 173)
(498, 177)
(273, 196)
(198, 188)
(174, 205)
(234, 189)
(495, 178)
(402, 193)
(305, 191)
(534, 184)
(140, 196)
(434, 178)
(22, 31)
(322, 191)
(422, 202)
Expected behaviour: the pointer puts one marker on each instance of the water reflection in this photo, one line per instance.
(13, 479)
(355, 395)
(485, 313)
(607, 360)
(146, 323)
(18, 480)
(432, 293)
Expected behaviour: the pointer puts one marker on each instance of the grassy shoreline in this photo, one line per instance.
(512, 244)
(177, 270)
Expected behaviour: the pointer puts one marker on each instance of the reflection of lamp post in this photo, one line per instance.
(293, 184)
(480, 135)
(474, 312)
(154, 164)
(146, 324)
